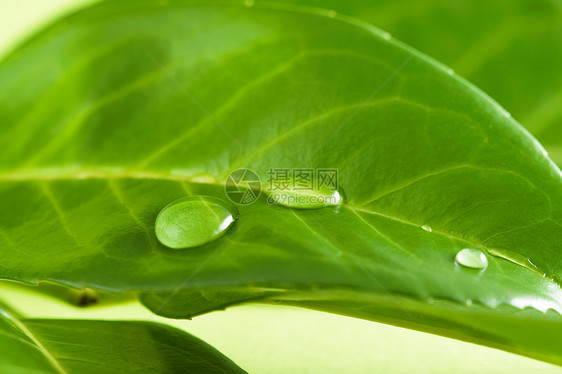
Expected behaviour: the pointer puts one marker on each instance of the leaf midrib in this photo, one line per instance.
(24, 330)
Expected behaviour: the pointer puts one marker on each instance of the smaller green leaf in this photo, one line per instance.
(76, 346)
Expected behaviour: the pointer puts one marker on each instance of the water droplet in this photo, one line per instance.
(204, 178)
(472, 258)
(249, 3)
(515, 258)
(193, 221)
(304, 199)
(450, 71)
(426, 228)
(386, 36)
(468, 302)
(332, 14)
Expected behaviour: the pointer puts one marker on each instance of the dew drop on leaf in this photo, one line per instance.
(193, 221)
(472, 258)
(426, 228)
(305, 199)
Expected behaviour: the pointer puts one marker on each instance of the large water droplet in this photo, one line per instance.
(426, 228)
(305, 199)
(472, 258)
(193, 221)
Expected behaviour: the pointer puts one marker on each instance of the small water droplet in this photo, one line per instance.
(468, 302)
(515, 258)
(332, 13)
(544, 152)
(450, 71)
(426, 228)
(387, 36)
(472, 258)
(193, 221)
(304, 199)
(249, 3)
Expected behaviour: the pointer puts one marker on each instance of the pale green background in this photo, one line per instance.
(268, 339)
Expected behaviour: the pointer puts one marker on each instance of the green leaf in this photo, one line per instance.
(191, 302)
(75, 346)
(504, 47)
(114, 112)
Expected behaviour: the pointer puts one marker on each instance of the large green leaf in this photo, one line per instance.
(74, 346)
(114, 112)
(508, 48)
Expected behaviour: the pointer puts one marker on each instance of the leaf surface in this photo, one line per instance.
(136, 104)
(507, 48)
